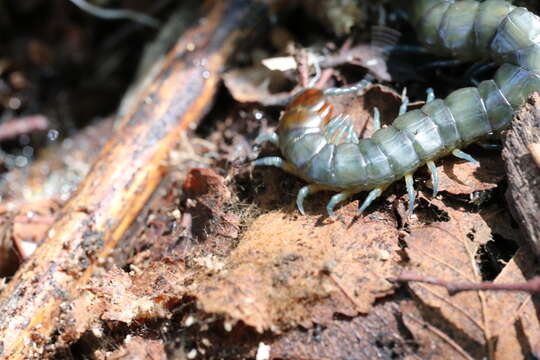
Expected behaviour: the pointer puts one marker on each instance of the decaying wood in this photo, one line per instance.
(523, 172)
(127, 171)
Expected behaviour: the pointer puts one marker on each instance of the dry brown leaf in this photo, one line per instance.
(448, 250)
(289, 271)
(257, 84)
(514, 316)
(483, 324)
(360, 108)
(434, 343)
(460, 177)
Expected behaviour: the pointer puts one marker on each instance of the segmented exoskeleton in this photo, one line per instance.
(322, 148)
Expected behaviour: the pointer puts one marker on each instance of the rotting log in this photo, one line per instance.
(127, 171)
(523, 171)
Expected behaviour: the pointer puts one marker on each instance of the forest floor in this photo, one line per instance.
(219, 263)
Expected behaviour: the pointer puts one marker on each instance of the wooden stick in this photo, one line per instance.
(455, 287)
(126, 173)
(523, 192)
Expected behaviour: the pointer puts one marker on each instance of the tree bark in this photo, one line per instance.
(522, 167)
(127, 171)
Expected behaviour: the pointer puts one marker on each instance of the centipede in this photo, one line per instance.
(321, 147)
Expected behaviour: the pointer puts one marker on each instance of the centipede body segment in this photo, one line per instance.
(321, 147)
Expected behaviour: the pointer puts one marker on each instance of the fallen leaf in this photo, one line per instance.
(434, 344)
(288, 271)
(482, 324)
(257, 84)
(460, 177)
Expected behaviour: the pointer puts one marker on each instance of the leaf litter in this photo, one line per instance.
(496, 325)
(288, 271)
(222, 252)
(308, 286)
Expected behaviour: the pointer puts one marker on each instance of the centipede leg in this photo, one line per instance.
(376, 119)
(489, 145)
(334, 125)
(336, 199)
(430, 95)
(442, 63)
(348, 90)
(275, 161)
(477, 69)
(412, 49)
(272, 138)
(404, 102)
(462, 155)
(375, 193)
(434, 176)
(340, 128)
(305, 192)
(409, 182)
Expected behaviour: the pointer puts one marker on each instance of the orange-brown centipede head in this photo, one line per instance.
(307, 98)
(309, 109)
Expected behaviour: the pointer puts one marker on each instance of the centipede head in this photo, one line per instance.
(307, 109)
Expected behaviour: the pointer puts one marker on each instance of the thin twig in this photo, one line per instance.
(302, 60)
(115, 14)
(531, 286)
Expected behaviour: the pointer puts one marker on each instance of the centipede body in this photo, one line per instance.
(320, 146)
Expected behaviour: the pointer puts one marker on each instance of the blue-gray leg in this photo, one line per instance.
(489, 145)
(335, 200)
(348, 90)
(277, 162)
(442, 63)
(460, 154)
(412, 49)
(303, 193)
(477, 69)
(404, 102)
(409, 182)
(351, 134)
(334, 126)
(272, 137)
(434, 176)
(340, 129)
(430, 95)
(375, 193)
(376, 119)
